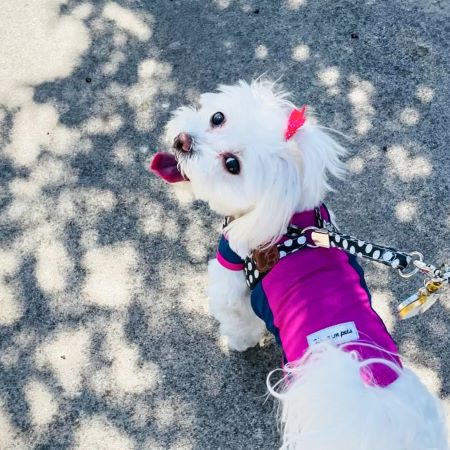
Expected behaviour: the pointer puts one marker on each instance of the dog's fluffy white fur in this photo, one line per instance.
(326, 404)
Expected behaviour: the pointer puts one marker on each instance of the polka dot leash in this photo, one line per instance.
(384, 255)
(327, 235)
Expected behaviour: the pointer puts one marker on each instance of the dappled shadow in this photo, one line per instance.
(104, 332)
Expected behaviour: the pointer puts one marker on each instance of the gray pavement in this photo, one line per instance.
(105, 340)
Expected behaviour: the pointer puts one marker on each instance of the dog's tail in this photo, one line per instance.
(326, 405)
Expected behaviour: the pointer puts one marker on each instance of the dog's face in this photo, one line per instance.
(228, 147)
(232, 153)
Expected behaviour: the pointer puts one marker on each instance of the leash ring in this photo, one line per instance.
(413, 271)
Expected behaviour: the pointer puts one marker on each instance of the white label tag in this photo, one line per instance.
(337, 334)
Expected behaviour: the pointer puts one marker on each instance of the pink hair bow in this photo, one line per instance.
(296, 120)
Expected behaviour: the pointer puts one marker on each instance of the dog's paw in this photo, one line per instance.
(241, 338)
(241, 346)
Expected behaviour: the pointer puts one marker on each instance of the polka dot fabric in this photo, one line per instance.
(362, 249)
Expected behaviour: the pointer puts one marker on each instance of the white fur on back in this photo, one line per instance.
(327, 406)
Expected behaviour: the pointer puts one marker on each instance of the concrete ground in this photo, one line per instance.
(105, 340)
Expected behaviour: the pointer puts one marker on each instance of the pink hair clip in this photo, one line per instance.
(296, 120)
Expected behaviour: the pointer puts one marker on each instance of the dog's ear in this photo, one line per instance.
(319, 157)
(314, 149)
(279, 188)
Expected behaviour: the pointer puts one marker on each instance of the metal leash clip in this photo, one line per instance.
(426, 296)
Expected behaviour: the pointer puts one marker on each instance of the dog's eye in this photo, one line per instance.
(217, 119)
(231, 164)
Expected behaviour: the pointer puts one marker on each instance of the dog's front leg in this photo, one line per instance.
(229, 303)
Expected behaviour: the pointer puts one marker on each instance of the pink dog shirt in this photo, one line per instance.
(320, 294)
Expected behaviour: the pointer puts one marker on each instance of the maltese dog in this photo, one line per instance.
(265, 166)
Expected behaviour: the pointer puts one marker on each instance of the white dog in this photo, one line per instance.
(262, 163)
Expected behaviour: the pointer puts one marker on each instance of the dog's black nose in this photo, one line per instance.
(183, 143)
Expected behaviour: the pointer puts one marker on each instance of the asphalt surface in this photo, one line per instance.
(105, 340)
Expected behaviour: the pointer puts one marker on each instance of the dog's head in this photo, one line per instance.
(234, 153)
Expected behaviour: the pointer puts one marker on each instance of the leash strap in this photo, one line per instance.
(384, 255)
(329, 236)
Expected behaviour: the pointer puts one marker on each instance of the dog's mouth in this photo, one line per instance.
(165, 165)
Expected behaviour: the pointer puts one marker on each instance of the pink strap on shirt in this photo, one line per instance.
(230, 266)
